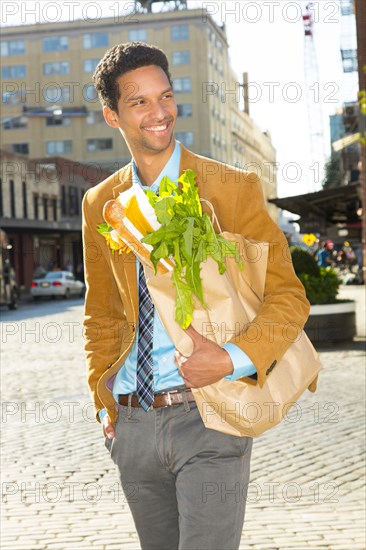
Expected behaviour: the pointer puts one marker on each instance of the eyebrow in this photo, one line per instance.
(136, 98)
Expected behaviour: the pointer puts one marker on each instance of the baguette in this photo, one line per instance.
(114, 215)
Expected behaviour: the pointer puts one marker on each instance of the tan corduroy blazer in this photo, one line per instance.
(111, 304)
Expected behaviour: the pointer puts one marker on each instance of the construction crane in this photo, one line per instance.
(313, 102)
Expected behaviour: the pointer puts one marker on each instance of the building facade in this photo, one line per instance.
(40, 211)
(50, 105)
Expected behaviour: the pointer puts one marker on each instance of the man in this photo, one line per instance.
(324, 257)
(186, 485)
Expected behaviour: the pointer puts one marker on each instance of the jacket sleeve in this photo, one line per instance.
(285, 308)
(104, 314)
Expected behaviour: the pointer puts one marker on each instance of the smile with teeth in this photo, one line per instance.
(158, 128)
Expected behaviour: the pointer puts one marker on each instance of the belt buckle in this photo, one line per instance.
(169, 398)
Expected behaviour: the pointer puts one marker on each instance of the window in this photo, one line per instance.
(55, 43)
(54, 209)
(35, 207)
(12, 198)
(12, 98)
(182, 84)
(59, 147)
(95, 40)
(95, 117)
(90, 93)
(13, 123)
(63, 200)
(21, 148)
(184, 110)
(99, 144)
(13, 71)
(45, 208)
(12, 47)
(90, 65)
(73, 200)
(53, 93)
(179, 32)
(346, 7)
(349, 60)
(24, 197)
(186, 138)
(58, 121)
(181, 58)
(55, 68)
(139, 35)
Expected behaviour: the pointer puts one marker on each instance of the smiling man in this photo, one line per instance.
(186, 485)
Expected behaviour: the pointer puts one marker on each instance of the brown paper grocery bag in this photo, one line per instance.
(238, 407)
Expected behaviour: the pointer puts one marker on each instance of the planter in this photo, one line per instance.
(331, 322)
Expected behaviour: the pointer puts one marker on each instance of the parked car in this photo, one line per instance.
(57, 283)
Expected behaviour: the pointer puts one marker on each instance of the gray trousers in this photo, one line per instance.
(186, 485)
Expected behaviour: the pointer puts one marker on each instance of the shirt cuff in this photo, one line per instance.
(241, 362)
(102, 414)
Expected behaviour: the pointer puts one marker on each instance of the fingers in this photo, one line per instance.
(179, 358)
(195, 336)
(179, 361)
(108, 428)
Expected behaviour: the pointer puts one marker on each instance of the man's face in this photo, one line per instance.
(147, 111)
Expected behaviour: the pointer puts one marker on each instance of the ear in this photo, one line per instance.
(110, 117)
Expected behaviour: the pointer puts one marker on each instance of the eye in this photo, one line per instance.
(168, 96)
(138, 102)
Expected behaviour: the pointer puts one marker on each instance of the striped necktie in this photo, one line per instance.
(144, 377)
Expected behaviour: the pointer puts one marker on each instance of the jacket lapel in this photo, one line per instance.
(125, 180)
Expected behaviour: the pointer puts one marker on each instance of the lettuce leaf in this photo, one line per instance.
(187, 235)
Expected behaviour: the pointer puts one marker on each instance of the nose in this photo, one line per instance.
(158, 111)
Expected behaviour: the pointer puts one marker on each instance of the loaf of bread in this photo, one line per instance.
(114, 215)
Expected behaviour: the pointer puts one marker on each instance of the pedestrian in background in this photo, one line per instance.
(324, 257)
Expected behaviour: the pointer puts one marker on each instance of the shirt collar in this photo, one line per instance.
(171, 169)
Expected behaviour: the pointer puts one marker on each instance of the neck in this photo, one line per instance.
(150, 166)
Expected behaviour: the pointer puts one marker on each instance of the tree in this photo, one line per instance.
(333, 173)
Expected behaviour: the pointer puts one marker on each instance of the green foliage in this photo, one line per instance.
(333, 172)
(322, 289)
(187, 236)
(304, 262)
(104, 228)
(321, 283)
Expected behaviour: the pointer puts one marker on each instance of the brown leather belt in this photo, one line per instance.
(163, 399)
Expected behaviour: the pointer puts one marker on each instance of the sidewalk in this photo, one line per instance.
(59, 486)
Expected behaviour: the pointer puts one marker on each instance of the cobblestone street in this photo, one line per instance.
(59, 486)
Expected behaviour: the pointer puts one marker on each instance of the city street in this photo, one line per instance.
(59, 486)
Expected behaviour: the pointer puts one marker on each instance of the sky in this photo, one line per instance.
(266, 39)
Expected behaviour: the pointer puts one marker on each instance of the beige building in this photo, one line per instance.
(50, 107)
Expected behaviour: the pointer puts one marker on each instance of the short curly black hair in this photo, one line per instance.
(119, 60)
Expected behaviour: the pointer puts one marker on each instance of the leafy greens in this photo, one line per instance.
(187, 235)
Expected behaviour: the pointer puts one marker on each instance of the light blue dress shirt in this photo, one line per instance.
(165, 371)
